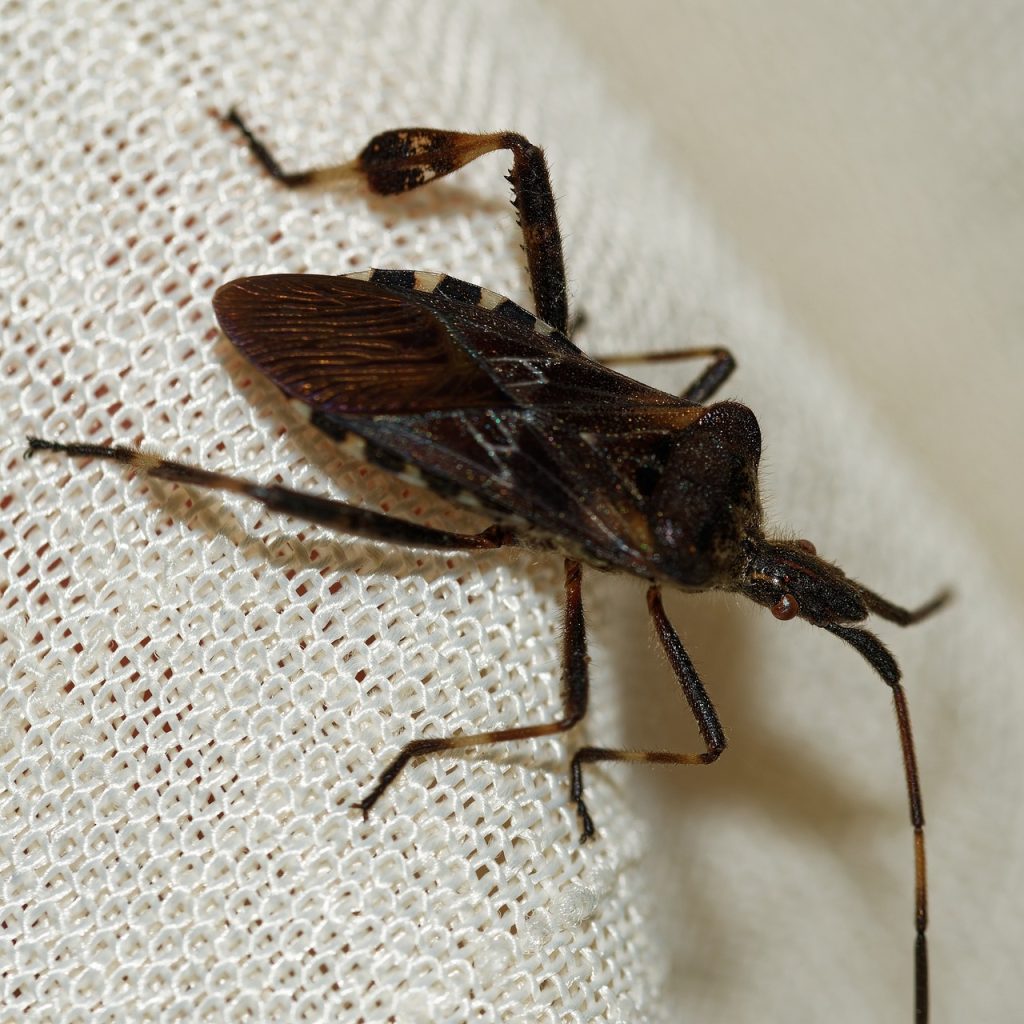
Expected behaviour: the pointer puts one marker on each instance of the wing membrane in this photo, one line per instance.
(342, 345)
(571, 474)
(494, 406)
(352, 347)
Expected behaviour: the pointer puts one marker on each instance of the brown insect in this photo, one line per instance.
(463, 391)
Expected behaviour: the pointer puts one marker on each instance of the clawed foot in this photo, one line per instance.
(587, 821)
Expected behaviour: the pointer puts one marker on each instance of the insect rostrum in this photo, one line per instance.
(465, 392)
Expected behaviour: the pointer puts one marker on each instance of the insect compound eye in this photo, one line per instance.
(786, 607)
(806, 545)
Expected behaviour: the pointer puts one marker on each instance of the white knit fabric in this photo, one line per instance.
(194, 692)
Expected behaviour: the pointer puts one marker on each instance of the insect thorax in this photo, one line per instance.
(707, 505)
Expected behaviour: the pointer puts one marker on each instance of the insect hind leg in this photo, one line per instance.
(266, 158)
(405, 158)
(335, 515)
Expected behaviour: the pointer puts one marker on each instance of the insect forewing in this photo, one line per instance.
(471, 390)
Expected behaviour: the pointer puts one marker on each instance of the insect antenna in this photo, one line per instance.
(903, 616)
(879, 658)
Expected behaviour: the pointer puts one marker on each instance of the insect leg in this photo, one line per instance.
(405, 158)
(711, 379)
(336, 515)
(266, 158)
(696, 696)
(576, 682)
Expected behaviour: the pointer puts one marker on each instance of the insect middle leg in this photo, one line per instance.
(711, 378)
(696, 696)
(576, 682)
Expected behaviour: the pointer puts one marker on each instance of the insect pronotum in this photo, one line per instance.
(491, 406)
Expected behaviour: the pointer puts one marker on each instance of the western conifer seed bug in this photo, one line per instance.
(463, 391)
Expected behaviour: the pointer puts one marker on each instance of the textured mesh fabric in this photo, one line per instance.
(194, 692)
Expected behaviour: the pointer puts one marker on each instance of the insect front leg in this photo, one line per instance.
(576, 683)
(405, 158)
(696, 696)
(710, 380)
(335, 515)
